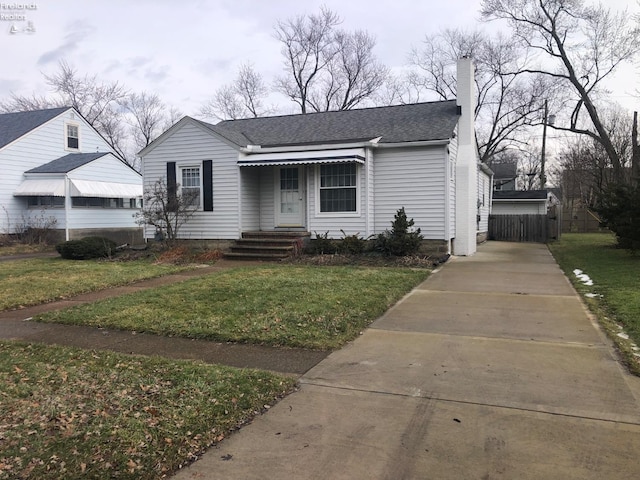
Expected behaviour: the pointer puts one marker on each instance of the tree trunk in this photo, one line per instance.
(635, 151)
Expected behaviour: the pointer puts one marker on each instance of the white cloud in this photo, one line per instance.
(184, 50)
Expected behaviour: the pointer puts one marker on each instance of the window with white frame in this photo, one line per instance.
(190, 185)
(73, 137)
(338, 185)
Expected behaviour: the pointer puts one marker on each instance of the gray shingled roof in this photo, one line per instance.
(395, 124)
(520, 195)
(67, 163)
(504, 170)
(15, 125)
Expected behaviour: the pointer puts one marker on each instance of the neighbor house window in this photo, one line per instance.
(97, 202)
(190, 185)
(338, 188)
(45, 202)
(73, 137)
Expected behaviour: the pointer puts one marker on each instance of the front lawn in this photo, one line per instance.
(82, 414)
(615, 273)
(39, 280)
(297, 306)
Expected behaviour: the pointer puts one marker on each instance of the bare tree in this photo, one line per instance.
(91, 97)
(352, 76)
(327, 68)
(586, 169)
(147, 116)
(107, 106)
(167, 209)
(243, 98)
(507, 102)
(577, 45)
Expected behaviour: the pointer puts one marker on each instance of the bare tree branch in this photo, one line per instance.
(585, 45)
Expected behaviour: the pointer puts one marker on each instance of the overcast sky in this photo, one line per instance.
(183, 50)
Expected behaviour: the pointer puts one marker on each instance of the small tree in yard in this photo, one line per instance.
(619, 207)
(167, 209)
(402, 239)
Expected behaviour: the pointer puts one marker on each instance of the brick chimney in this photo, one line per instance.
(466, 162)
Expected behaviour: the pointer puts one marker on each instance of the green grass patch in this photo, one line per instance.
(24, 248)
(39, 280)
(297, 306)
(82, 414)
(615, 273)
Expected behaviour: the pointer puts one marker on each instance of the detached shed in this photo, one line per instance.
(516, 202)
(524, 216)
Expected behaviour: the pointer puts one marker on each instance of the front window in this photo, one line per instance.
(73, 137)
(191, 185)
(338, 188)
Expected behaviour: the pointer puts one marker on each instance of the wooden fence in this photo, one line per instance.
(526, 228)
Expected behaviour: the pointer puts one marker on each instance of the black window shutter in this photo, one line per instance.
(207, 185)
(172, 187)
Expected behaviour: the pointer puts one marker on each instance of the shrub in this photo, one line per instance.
(402, 239)
(322, 244)
(619, 208)
(86, 248)
(351, 244)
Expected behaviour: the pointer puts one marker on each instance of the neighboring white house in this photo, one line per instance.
(59, 171)
(523, 202)
(345, 172)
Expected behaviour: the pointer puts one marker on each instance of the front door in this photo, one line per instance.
(289, 197)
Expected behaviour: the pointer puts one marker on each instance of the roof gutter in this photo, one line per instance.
(373, 143)
(422, 143)
(249, 149)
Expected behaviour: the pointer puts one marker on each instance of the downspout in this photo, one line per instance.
(67, 207)
(368, 179)
(447, 199)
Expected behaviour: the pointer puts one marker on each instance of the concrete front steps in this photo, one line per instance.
(268, 245)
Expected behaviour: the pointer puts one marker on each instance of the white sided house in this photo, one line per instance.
(343, 172)
(58, 172)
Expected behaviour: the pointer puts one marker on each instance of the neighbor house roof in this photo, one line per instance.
(15, 125)
(504, 170)
(394, 124)
(520, 195)
(67, 163)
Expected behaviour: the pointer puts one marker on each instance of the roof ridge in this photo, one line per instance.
(328, 112)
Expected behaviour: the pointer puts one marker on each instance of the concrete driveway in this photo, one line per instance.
(490, 369)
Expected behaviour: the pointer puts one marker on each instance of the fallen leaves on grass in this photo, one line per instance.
(69, 413)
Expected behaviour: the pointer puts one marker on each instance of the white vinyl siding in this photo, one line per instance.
(413, 178)
(250, 188)
(190, 144)
(519, 207)
(484, 200)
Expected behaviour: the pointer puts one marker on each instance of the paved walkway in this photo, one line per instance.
(491, 369)
(15, 325)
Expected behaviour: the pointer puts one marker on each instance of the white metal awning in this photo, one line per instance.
(53, 187)
(90, 188)
(303, 158)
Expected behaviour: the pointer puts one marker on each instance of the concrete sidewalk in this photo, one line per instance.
(15, 325)
(491, 368)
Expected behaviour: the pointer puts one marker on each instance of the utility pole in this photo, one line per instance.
(543, 176)
(548, 119)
